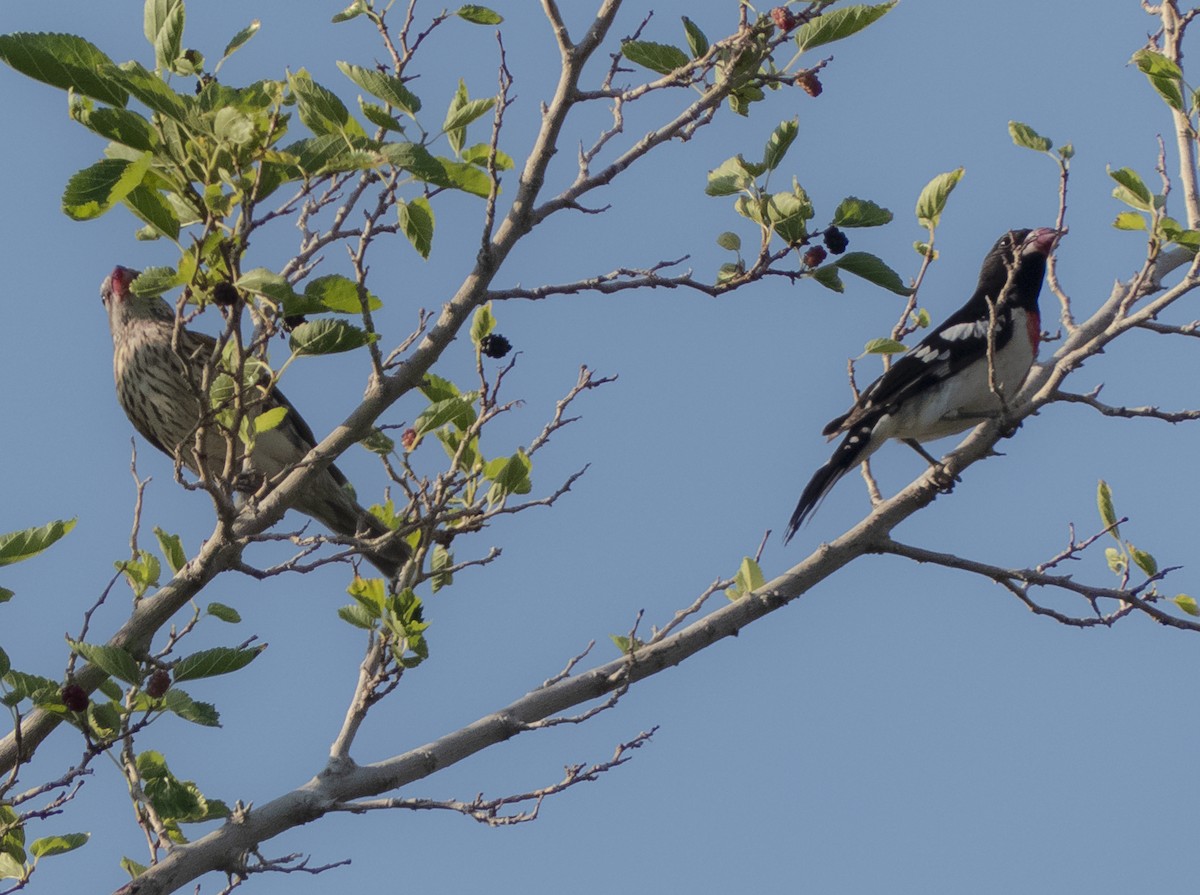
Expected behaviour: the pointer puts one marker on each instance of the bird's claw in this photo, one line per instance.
(941, 477)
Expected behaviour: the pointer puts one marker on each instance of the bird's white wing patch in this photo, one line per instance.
(977, 329)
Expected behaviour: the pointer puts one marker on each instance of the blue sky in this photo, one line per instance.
(899, 728)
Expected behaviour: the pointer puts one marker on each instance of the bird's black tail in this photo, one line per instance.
(854, 449)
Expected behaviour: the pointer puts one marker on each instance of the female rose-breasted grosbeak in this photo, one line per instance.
(158, 383)
(952, 380)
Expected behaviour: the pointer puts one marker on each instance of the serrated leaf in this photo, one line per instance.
(661, 58)
(358, 616)
(481, 152)
(696, 41)
(337, 293)
(1144, 561)
(1108, 514)
(213, 662)
(150, 90)
(482, 323)
(269, 419)
(458, 410)
(479, 15)
(855, 212)
(440, 561)
(873, 270)
(354, 10)
(884, 346)
(932, 201)
(63, 61)
(111, 660)
(386, 87)
(1115, 559)
(780, 141)
(459, 117)
(320, 109)
(163, 26)
(828, 277)
(1131, 189)
(379, 116)
(789, 214)
(151, 207)
(223, 613)
(328, 337)
(510, 474)
(18, 546)
(180, 703)
(239, 39)
(730, 241)
(417, 223)
(838, 24)
(1025, 136)
(48, 846)
(119, 125)
(1164, 75)
(5, 663)
(172, 549)
(1130, 220)
(155, 281)
(1186, 603)
(729, 178)
(94, 190)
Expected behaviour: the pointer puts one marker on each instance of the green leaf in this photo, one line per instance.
(18, 546)
(458, 410)
(163, 26)
(223, 613)
(1144, 561)
(58, 845)
(511, 475)
(328, 337)
(481, 152)
(94, 190)
(781, 140)
(119, 125)
(789, 214)
(1186, 603)
(5, 663)
(179, 703)
(338, 293)
(482, 323)
(1115, 559)
(855, 212)
(64, 61)
(150, 90)
(749, 578)
(320, 109)
(828, 277)
(730, 240)
(661, 58)
(838, 24)
(1025, 136)
(379, 116)
(465, 177)
(479, 15)
(272, 285)
(884, 346)
(172, 549)
(386, 87)
(354, 10)
(155, 281)
(358, 616)
(112, 660)
(213, 662)
(1131, 190)
(441, 560)
(462, 112)
(151, 207)
(1130, 220)
(696, 41)
(932, 201)
(417, 222)
(1104, 502)
(269, 419)
(236, 42)
(1164, 75)
(729, 178)
(873, 270)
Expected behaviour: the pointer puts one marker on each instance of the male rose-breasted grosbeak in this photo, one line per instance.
(957, 377)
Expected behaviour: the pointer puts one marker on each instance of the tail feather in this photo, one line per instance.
(331, 504)
(854, 449)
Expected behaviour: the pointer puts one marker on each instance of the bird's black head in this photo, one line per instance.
(1018, 260)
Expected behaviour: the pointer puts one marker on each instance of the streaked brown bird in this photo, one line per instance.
(159, 388)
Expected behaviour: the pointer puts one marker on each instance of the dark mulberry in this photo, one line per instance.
(495, 345)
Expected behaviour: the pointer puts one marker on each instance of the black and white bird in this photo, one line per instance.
(947, 384)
